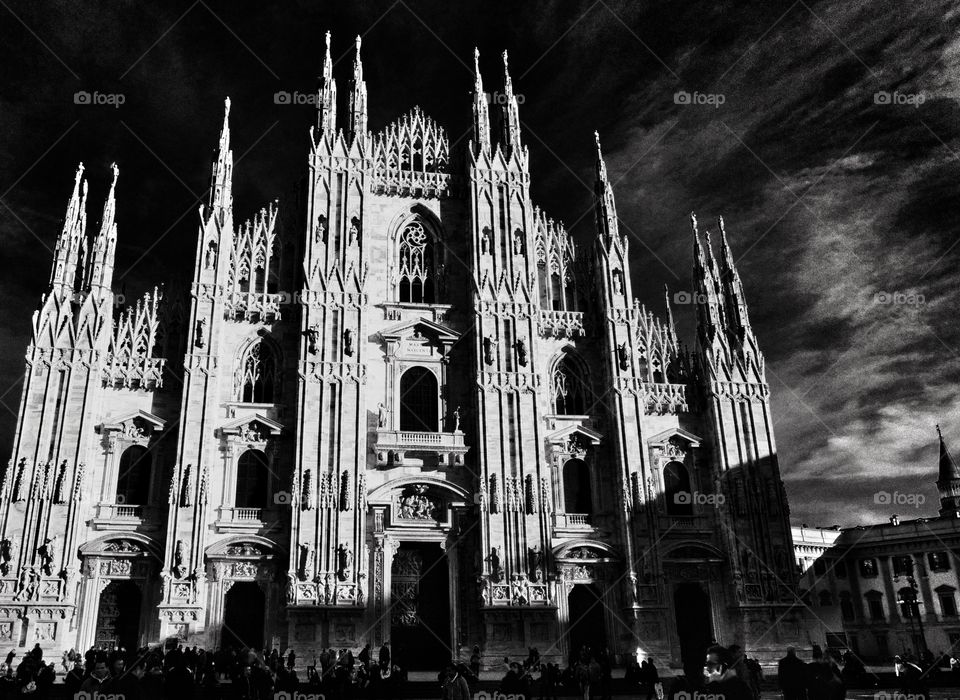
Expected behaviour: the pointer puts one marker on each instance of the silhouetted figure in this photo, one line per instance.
(792, 676)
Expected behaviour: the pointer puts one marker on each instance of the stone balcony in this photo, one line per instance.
(233, 519)
(114, 516)
(572, 521)
(398, 448)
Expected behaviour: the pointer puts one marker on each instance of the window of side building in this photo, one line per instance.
(868, 568)
(939, 561)
(903, 565)
(948, 601)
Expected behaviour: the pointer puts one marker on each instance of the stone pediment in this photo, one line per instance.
(579, 433)
(423, 327)
(663, 439)
(255, 428)
(140, 419)
(419, 339)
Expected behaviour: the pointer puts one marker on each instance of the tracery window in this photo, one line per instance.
(259, 381)
(567, 389)
(416, 264)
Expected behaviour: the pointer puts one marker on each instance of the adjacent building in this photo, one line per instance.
(890, 588)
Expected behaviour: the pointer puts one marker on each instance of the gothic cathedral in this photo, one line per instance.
(400, 406)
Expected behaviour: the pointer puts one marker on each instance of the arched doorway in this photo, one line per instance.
(420, 609)
(243, 616)
(577, 497)
(252, 480)
(694, 622)
(133, 476)
(118, 616)
(585, 620)
(419, 398)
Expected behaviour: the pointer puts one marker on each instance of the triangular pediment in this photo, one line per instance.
(239, 425)
(118, 422)
(685, 435)
(588, 436)
(408, 329)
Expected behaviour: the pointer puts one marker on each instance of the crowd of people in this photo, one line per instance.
(184, 673)
(245, 674)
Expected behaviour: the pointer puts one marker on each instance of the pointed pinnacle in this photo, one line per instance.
(226, 108)
(116, 174)
(693, 222)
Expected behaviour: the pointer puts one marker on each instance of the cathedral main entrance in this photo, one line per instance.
(694, 622)
(243, 616)
(586, 627)
(420, 607)
(118, 618)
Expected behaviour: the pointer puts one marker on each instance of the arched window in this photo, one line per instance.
(419, 396)
(252, 480)
(133, 477)
(568, 389)
(576, 487)
(416, 265)
(259, 382)
(556, 292)
(676, 489)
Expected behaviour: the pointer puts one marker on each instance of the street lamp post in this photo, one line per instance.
(912, 605)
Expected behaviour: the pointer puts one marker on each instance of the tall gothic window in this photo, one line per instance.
(568, 389)
(133, 477)
(419, 394)
(252, 480)
(576, 487)
(676, 489)
(259, 381)
(416, 265)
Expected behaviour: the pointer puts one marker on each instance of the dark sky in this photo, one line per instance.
(841, 205)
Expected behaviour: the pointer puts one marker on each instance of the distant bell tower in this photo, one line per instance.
(948, 481)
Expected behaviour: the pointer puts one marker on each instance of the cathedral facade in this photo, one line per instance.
(400, 406)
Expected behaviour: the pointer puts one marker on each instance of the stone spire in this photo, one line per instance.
(607, 226)
(670, 324)
(709, 319)
(948, 481)
(221, 179)
(71, 244)
(481, 114)
(100, 269)
(327, 97)
(511, 113)
(358, 98)
(735, 302)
